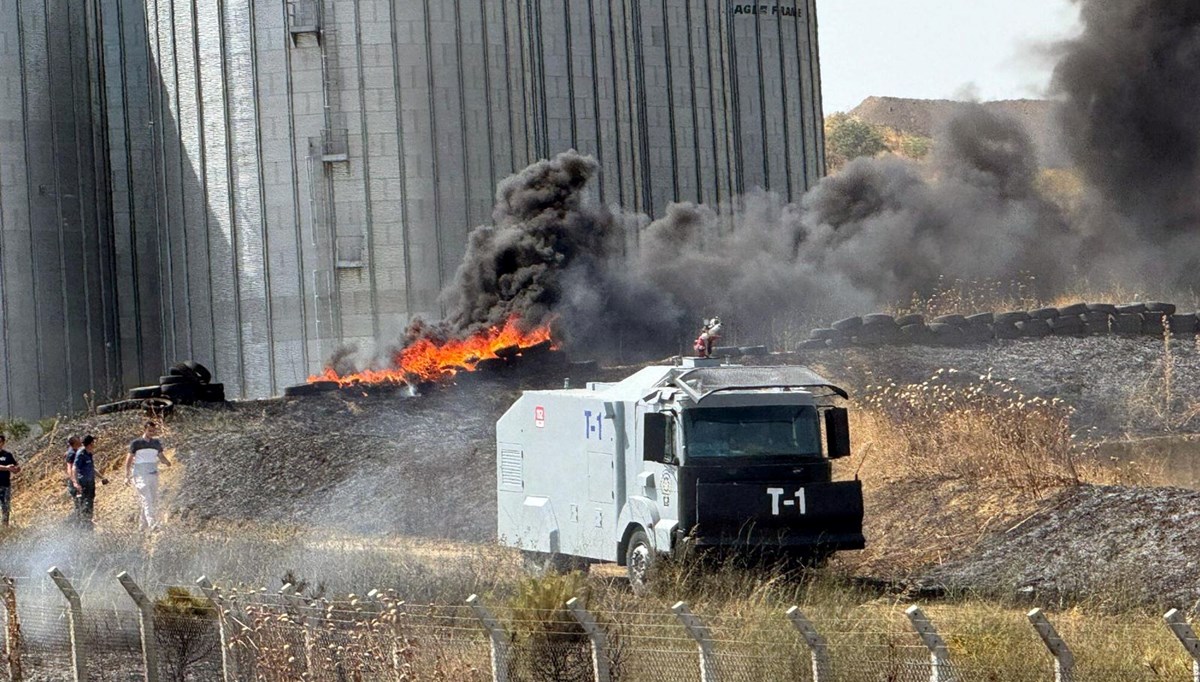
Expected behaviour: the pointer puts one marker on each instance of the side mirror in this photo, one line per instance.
(654, 437)
(837, 432)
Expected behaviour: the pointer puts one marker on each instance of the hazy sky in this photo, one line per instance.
(938, 48)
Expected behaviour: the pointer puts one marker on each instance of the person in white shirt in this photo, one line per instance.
(141, 471)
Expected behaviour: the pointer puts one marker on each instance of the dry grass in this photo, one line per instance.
(981, 431)
(948, 461)
(964, 297)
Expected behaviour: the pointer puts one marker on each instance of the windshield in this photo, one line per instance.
(788, 430)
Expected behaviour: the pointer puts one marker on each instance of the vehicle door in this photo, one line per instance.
(658, 477)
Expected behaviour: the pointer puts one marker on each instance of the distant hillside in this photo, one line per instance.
(924, 117)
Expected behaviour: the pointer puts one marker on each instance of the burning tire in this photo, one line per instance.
(909, 319)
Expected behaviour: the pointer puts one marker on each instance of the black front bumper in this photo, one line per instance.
(796, 517)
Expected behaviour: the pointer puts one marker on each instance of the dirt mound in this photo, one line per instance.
(1118, 546)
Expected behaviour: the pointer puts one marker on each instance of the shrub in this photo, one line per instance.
(185, 627)
(16, 429)
(548, 644)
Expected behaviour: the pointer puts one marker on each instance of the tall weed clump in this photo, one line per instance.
(549, 645)
(980, 431)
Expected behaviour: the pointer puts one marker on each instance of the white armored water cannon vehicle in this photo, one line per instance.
(703, 455)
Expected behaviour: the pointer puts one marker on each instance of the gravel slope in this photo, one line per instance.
(1119, 546)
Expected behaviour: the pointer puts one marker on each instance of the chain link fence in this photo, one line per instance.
(200, 632)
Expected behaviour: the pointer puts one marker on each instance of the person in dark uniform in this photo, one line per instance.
(73, 445)
(82, 471)
(8, 467)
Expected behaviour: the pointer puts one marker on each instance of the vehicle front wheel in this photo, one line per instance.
(639, 557)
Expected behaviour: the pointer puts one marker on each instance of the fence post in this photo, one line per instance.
(1187, 637)
(229, 667)
(74, 622)
(939, 654)
(146, 618)
(821, 668)
(12, 630)
(498, 636)
(704, 641)
(596, 634)
(1064, 660)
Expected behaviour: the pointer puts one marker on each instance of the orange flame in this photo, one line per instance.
(429, 360)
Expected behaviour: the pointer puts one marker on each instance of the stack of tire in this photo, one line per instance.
(187, 383)
(1078, 319)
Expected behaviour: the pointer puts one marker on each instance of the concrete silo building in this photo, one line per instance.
(277, 178)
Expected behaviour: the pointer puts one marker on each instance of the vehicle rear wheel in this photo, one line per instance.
(639, 557)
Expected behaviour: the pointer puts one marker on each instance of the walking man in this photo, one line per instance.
(73, 445)
(8, 467)
(82, 472)
(141, 471)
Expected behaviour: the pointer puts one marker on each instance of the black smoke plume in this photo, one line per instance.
(881, 230)
(551, 256)
(876, 233)
(1130, 85)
